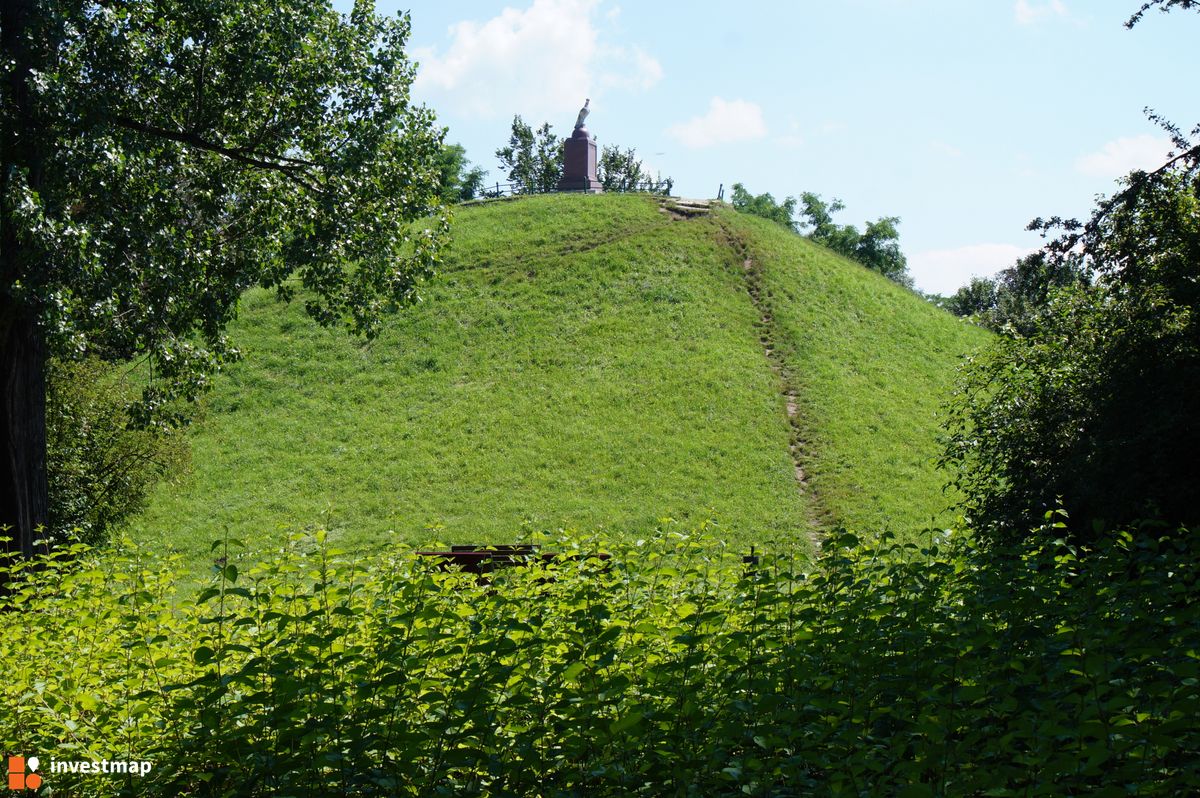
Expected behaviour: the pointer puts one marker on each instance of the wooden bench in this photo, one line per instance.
(485, 559)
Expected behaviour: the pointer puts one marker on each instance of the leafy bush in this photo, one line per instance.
(1095, 408)
(1094, 402)
(674, 669)
(99, 468)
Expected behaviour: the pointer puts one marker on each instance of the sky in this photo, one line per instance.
(965, 118)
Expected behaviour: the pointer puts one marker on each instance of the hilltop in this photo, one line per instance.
(593, 362)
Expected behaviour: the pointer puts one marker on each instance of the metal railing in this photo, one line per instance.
(502, 190)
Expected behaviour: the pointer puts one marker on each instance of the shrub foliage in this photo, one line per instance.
(1094, 403)
(99, 467)
(674, 669)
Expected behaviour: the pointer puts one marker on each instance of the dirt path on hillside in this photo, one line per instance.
(752, 273)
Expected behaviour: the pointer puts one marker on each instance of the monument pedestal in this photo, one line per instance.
(579, 164)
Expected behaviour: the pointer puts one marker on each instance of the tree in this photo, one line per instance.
(1163, 6)
(619, 170)
(158, 159)
(974, 299)
(877, 247)
(459, 183)
(879, 250)
(532, 160)
(622, 170)
(764, 205)
(1093, 401)
(819, 215)
(1013, 300)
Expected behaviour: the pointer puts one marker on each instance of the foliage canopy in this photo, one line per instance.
(459, 180)
(532, 160)
(765, 205)
(622, 170)
(161, 158)
(99, 468)
(673, 669)
(1093, 400)
(1011, 301)
(182, 154)
(877, 247)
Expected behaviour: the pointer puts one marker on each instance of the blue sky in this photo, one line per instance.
(965, 118)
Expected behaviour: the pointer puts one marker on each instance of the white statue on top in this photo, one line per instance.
(583, 112)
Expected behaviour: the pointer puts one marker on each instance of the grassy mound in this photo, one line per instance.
(871, 365)
(582, 361)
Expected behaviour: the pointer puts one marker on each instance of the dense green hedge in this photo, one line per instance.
(672, 670)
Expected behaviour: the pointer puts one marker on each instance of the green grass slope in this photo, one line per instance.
(871, 364)
(582, 361)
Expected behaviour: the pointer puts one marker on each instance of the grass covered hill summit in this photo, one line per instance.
(595, 362)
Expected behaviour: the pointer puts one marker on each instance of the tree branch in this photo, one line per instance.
(292, 168)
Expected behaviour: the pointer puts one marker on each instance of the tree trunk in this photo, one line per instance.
(24, 504)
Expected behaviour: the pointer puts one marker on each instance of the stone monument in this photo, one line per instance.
(579, 158)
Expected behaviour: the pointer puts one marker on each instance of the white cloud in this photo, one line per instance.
(727, 121)
(629, 68)
(535, 61)
(1028, 12)
(944, 271)
(651, 169)
(1121, 156)
(947, 150)
(793, 139)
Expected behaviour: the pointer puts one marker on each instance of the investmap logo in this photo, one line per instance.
(22, 773)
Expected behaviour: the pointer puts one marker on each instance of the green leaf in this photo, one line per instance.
(626, 722)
